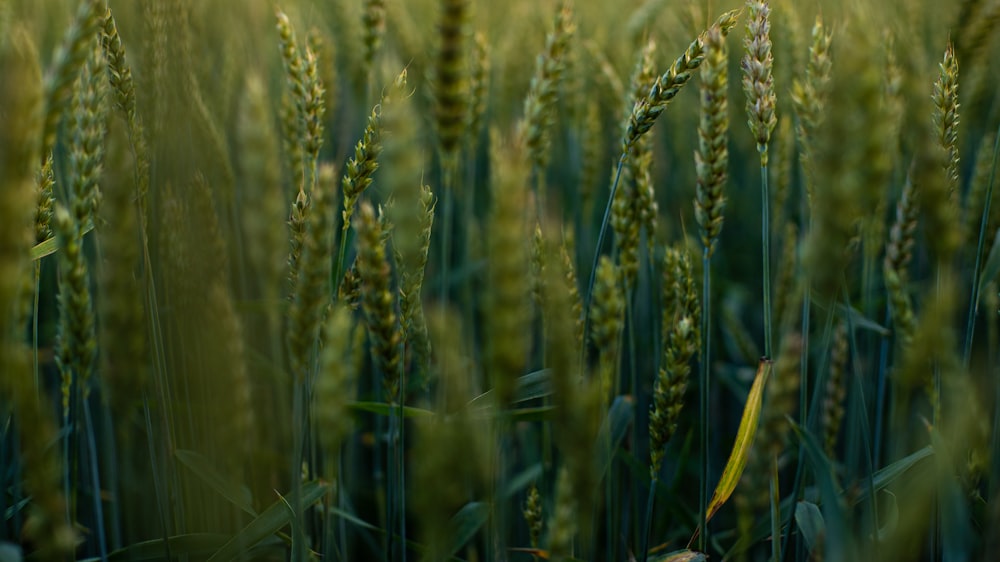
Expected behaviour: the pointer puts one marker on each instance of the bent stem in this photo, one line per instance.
(597, 256)
(974, 299)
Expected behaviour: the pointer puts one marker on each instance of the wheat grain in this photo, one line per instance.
(539, 105)
(946, 117)
(647, 109)
(378, 300)
(758, 84)
(681, 341)
(507, 311)
(452, 87)
(712, 158)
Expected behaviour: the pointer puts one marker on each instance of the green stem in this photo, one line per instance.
(643, 553)
(95, 481)
(765, 233)
(298, 533)
(34, 329)
(775, 512)
(703, 387)
(446, 233)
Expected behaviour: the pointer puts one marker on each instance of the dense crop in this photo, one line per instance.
(456, 280)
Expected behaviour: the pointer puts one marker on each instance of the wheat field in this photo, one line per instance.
(568, 280)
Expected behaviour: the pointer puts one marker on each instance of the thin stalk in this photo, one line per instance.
(706, 339)
(880, 399)
(974, 299)
(342, 504)
(95, 481)
(650, 500)
(597, 256)
(497, 539)
(158, 487)
(34, 329)
(449, 203)
(298, 534)
(399, 478)
(803, 382)
(110, 459)
(657, 354)
(775, 512)
(765, 239)
(469, 213)
(861, 411)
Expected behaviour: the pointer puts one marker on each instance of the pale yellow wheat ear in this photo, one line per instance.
(479, 85)
(579, 410)
(946, 116)
(411, 213)
(373, 31)
(378, 301)
(123, 95)
(20, 142)
(666, 87)
(312, 294)
(304, 129)
(121, 314)
(21, 95)
(77, 344)
(809, 96)
(607, 310)
(850, 178)
(451, 442)
(836, 389)
(680, 326)
(451, 81)
(634, 203)
(361, 167)
(539, 105)
(258, 171)
(758, 84)
(69, 59)
(508, 296)
(712, 157)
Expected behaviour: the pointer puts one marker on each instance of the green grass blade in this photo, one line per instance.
(992, 267)
(882, 479)
(51, 246)
(388, 410)
(956, 521)
(810, 522)
(466, 523)
(337, 512)
(269, 522)
(195, 546)
(46, 248)
(238, 495)
(775, 512)
(521, 481)
(529, 387)
(889, 474)
(619, 419)
(680, 556)
(838, 540)
(856, 318)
